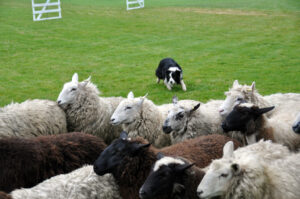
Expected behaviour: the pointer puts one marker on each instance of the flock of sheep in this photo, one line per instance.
(86, 146)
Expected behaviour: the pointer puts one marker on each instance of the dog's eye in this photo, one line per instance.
(127, 107)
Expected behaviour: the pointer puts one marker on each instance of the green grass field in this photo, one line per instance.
(215, 41)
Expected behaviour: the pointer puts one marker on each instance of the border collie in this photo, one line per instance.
(170, 72)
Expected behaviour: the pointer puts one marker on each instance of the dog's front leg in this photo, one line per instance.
(158, 80)
(183, 85)
(167, 85)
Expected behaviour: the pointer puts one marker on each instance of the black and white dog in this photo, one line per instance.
(170, 72)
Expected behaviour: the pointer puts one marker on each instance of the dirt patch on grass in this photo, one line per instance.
(229, 12)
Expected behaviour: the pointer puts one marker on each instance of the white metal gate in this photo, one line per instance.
(134, 4)
(38, 9)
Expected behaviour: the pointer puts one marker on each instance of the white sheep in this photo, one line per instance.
(32, 118)
(296, 124)
(86, 111)
(141, 117)
(250, 175)
(251, 122)
(79, 184)
(188, 119)
(288, 102)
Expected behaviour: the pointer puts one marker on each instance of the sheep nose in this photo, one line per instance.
(199, 193)
(142, 193)
(167, 129)
(59, 101)
(112, 119)
(221, 110)
(224, 127)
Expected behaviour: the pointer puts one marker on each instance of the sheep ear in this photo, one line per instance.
(75, 78)
(235, 83)
(142, 99)
(194, 109)
(124, 135)
(159, 156)
(235, 168)
(178, 191)
(264, 110)
(141, 146)
(85, 82)
(130, 95)
(175, 99)
(88, 79)
(253, 86)
(228, 150)
(183, 167)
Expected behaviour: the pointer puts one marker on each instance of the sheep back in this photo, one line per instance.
(26, 162)
(79, 184)
(32, 118)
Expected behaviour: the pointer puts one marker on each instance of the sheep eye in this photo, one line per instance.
(239, 99)
(179, 116)
(127, 107)
(224, 175)
(73, 89)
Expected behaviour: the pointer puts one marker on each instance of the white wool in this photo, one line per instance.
(86, 111)
(80, 184)
(141, 117)
(283, 102)
(32, 118)
(262, 172)
(205, 120)
(166, 161)
(247, 105)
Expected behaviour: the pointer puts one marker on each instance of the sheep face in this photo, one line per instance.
(242, 117)
(164, 178)
(219, 174)
(296, 125)
(128, 110)
(238, 94)
(113, 155)
(71, 90)
(177, 119)
(217, 179)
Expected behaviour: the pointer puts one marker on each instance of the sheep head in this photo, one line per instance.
(165, 178)
(177, 118)
(112, 157)
(236, 95)
(128, 110)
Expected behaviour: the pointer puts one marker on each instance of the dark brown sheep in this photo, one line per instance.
(26, 162)
(4, 195)
(130, 161)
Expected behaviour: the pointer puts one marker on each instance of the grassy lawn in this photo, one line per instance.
(215, 42)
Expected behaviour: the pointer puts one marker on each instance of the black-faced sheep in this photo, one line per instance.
(172, 177)
(141, 117)
(250, 121)
(26, 162)
(249, 175)
(288, 102)
(32, 118)
(86, 111)
(130, 160)
(81, 183)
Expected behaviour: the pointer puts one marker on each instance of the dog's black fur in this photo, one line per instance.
(169, 76)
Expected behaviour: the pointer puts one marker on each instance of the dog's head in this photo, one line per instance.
(173, 75)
